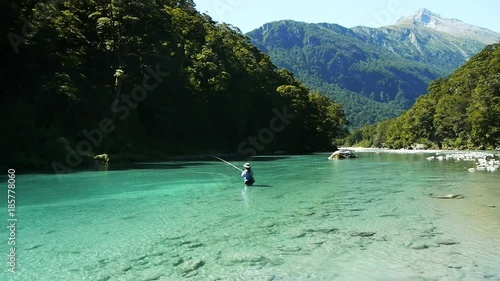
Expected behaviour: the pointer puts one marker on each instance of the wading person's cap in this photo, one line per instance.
(247, 165)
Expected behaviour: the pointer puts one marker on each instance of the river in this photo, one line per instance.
(306, 218)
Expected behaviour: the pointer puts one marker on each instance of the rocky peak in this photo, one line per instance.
(426, 18)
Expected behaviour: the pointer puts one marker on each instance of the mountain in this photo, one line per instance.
(375, 73)
(429, 38)
(461, 111)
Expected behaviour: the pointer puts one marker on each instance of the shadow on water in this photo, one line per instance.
(97, 167)
(267, 158)
(153, 165)
(175, 163)
(239, 158)
(202, 161)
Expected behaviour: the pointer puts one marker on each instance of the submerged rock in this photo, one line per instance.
(446, 242)
(449, 196)
(35, 247)
(248, 259)
(325, 230)
(289, 249)
(177, 261)
(127, 268)
(363, 234)
(308, 213)
(269, 224)
(419, 246)
(296, 234)
(317, 242)
(191, 266)
(190, 274)
(245, 259)
(195, 245)
(381, 238)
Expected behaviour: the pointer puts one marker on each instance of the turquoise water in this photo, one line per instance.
(306, 218)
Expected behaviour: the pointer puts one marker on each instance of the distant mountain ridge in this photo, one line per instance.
(375, 73)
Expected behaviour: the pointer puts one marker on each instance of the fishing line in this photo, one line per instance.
(228, 163)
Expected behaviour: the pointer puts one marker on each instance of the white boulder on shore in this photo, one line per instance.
(342, 154)
(484, 161)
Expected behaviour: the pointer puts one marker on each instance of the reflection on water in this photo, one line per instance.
(244, 195)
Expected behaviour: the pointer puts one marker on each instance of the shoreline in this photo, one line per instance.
(131, 159)
(415, 151)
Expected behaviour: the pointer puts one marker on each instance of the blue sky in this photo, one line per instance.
(250, 14)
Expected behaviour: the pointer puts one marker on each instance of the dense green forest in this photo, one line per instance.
(143, 80)
(375, 73)
(461, 111)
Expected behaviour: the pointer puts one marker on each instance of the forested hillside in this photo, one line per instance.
(142, 80)
(460, 111)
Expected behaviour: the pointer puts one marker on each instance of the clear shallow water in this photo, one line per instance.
(307, 218)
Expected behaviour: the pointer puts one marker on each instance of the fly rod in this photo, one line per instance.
(228, 163)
